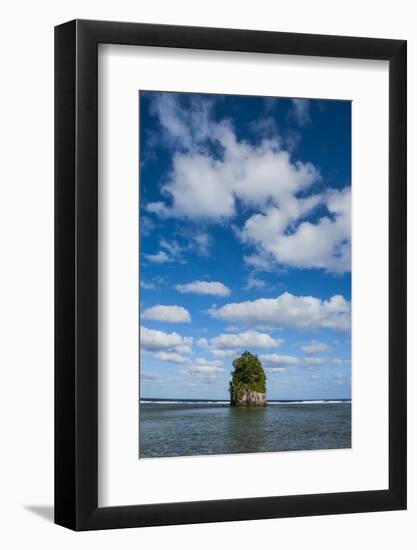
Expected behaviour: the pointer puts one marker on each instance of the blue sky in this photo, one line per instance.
(245, 243)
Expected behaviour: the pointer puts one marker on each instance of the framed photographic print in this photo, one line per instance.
(230, 275)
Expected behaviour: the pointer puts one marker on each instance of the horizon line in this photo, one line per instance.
(228, 399)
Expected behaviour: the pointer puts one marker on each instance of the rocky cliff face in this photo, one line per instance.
(249, 399)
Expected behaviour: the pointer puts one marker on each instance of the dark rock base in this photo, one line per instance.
(249, 399)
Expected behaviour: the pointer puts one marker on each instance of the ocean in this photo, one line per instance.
(170, 428)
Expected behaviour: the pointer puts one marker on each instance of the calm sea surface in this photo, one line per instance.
(185, 429)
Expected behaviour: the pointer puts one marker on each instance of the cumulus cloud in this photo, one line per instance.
(247, 339)
(202, 342)
(275, 359)
(212, 171)
(202, 187)
(168, 314)
(314, 346)
(289, 311)
(205, 367)
(172, 357)
(323, 244)
(212, 288)
(157, 340)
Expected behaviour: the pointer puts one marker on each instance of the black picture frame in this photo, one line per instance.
(76, 272)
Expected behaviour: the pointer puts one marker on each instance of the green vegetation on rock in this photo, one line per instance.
(248, 379)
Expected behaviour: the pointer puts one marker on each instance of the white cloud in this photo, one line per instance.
(173, 248)
(197, 189)
(147, 286)
(172, 357)
(170, 252)
(314, 346)
(205, 369)
(146, 226)
(264, 177)
(276, 369)
(212, 288)
(150, 377)
(257, 261)
(223, 352)
(202, 187)
(324, 244)
(202, 242)
(301, 111)
(265, 127)
(275, 359)
(157, 340)
(214, 363)
(341, 361)
(158, 208)
(173, 251)
(202, 342)
(187, 128)
(287, 310)
(247, 339)
(253, 282)
(316, 361)
(233, 328)
(158, 258)
(168, 314)
(184, 348)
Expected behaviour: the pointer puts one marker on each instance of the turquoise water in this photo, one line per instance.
(210, 428)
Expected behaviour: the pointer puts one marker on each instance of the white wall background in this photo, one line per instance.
(26, 271)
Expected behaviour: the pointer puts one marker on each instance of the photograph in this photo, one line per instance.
(245, 274)
(208, 237)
